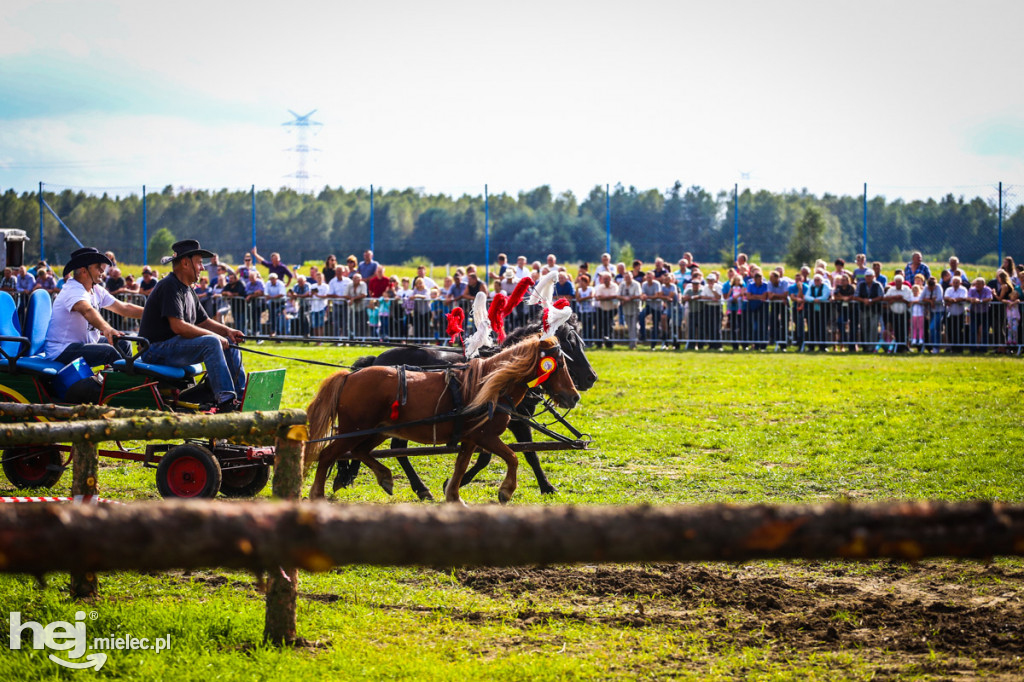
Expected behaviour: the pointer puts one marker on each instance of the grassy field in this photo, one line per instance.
(668, 428)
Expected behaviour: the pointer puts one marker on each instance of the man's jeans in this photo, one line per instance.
(223, 368)
(94, 354)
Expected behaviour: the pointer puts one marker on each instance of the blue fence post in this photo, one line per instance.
(42, 251)
(865, 241)
(735, 222)
(252, 193)
(145, 229)
(607, 219)
(487, 238)
(371, 218)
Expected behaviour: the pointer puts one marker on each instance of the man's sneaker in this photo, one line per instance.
(230, 405)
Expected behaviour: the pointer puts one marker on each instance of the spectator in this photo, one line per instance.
(275, 266)
(585, 306)
(244, 268)
(456, 292)
(552, 262)
(620, 272)
(148, 281)
(734, 292)
(234, 294)
(870, 295)
(797, 293)
(742, 265)
(274, 292)
(111, 256)
(215, 265)
(26, 280)
(898, 296)
(353, 266)
(338, 291)
(693, 310)
(319, 290)
(131, 286)
(757, 295)
(255, 305)
(202, 289)
(373, 316)
(840, 271)
(638, 271)
(916, 267)
(629, 295)
(606, 294)
(114, 282)
(711, 301)
(522, 269)
(300, 296)
(421, 272)
(9, 283)
(650, 294)
(778, 294)
(473, 286)
(954, 271)
(1002, 291)
(563, 287)
(502, 267)
(931, 301)
(216, 297)
(861, 270)
(45, 281)
(357, 298)
(421, 308)
(330, 268)
(876, 267)
(604, 266)
(816, 301)
(954, 297)
(916, 317)
(368, 267)
(378, 282)
(670, 298)
(979, 296)
(845, 296)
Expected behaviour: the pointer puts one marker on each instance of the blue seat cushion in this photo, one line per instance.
(160, 371)
(38, 365)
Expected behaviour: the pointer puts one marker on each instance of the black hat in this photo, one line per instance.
(84, 257)
(186, 248)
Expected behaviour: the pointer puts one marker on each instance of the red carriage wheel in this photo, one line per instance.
(188, 471)
(33, 466)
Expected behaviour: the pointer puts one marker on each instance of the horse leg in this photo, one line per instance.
(524, 434)
(328, 456)
(415, 482)
(362, 453)
(451, 487)
(482, 460)
(508, 486)
(346, 475)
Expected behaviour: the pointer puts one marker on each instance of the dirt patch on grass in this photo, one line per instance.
(945, 618)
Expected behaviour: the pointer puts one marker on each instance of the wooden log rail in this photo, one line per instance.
(36, 538)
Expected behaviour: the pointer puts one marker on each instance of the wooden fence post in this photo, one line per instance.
(283, 583)
(85, 467)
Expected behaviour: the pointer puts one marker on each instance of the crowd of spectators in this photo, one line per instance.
(692, 306)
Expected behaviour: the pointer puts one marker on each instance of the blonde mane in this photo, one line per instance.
(486, 380)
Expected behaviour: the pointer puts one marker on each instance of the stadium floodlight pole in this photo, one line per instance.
(865, 241)
(1001, 226)
(735, 222)
(42, 252)
(607, 219)
(371, 218)
(252, 196)
(145, 230)
(487, 238)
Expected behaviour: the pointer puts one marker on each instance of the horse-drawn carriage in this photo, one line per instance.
(195, 468)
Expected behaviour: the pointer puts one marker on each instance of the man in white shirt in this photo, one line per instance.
(76, 325)
(898, 296)
(275, 290)
(522, 269)
(605, 266)
(607, 296)
(711, 294)
(318, 292)
(421, 271)
(953, 298)
(338, 291)
(629, 296)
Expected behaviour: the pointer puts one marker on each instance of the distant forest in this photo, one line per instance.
(410, 225)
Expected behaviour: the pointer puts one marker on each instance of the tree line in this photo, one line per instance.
(412, 225)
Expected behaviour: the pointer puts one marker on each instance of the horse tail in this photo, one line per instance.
(323, 412)
(365, 361)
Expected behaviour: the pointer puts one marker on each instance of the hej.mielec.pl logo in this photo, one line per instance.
(71, 638)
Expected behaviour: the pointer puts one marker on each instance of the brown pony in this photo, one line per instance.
(354, 401)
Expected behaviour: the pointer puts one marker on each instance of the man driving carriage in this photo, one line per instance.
(181, 333)
(77, 330)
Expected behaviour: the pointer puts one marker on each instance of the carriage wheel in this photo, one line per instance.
(33, 466)
(188, 471)
(245, 481)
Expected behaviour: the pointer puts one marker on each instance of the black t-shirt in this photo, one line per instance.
(473, 290)
(170, 298)
(115, 283)
(146, 286)
(846, 290)
(874, 291)
(235, 288)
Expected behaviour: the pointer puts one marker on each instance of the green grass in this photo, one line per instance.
(668, 428)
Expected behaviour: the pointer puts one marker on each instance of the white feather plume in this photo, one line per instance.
(544, 289)
(482, 336)
(556, 318)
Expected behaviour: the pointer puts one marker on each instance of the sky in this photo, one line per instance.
(914, 98)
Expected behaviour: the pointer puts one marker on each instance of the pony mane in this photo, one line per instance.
(518, 334)
(487, 379)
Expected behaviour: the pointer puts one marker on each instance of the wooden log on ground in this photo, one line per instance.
(283, 583)
(67, 412)
(35, 538)
(245, 427)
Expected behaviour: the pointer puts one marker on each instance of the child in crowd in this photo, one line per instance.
(373, 317)
(916, 317)
(1012, 321)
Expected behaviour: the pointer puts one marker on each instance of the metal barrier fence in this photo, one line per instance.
(757, 325)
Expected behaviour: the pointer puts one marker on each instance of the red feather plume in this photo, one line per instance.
(456, 318)
(496, 314)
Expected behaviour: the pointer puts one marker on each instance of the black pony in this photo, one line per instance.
(580, 370)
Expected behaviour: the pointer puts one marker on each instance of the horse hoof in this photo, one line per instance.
(548, 489)
(504, 497)
(387, 486)
(425, 495)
